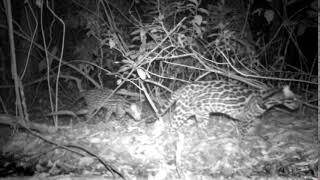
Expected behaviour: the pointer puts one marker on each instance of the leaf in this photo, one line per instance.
(119, 81)
(142, 74)
(195, 2)
(136, 38)
(127, 61)
(161, 17)
(301, 29)
(257, 11)
(135, 32)
(269, 15)
(112, 44)
(143, 36)
(43, 64)
(197, 20)
(39, 3)
(140, 57)
(124, 68)
(203, 11)
(86, 68)
(198, 30)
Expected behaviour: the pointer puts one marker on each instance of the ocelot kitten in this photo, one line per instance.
(116, 104)
(235, 100)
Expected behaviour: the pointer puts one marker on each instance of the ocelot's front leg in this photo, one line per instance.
(179, 118)
(250, 127)
(202, 120)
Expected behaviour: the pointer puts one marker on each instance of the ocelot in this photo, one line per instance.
(235, 100)
(97, 99)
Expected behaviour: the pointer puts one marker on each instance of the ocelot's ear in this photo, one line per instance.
(291, 100)
(287, 92)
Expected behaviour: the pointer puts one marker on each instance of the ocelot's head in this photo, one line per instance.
(280, 97)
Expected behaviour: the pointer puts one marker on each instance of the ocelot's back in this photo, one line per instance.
(235, 100)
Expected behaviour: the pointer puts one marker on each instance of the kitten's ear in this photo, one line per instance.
(136, 111)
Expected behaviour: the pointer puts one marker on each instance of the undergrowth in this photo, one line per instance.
(156, 46)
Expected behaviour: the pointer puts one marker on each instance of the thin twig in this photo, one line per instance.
(13, 60)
